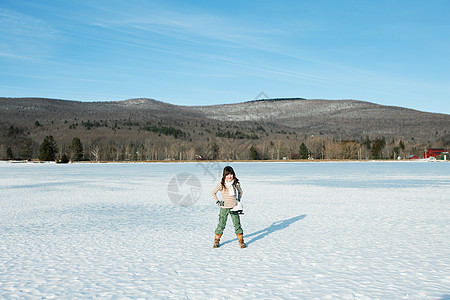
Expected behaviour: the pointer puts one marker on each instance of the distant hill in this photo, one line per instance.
(147, 121)
(349, 119)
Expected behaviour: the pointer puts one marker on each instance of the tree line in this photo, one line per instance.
(219, 148)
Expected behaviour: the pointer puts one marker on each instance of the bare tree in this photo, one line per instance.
(96, 152)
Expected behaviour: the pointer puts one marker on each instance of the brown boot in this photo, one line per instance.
(217, 241)
(241, 240)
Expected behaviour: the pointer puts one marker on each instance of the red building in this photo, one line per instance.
(434, 152)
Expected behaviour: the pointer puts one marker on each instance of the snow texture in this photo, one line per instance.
(329, 230)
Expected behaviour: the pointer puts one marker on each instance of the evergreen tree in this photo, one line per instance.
(303, 151)
(396, 152)
(377, 148)
(376, 151)
(64, 159)
(27, 149)
(48, 149)
(9, 153)
(253, 153)
(76, 149)
(367, 142)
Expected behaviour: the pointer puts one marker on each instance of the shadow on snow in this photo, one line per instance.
(260, 234)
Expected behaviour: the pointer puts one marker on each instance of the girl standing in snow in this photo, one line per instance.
(231, 192)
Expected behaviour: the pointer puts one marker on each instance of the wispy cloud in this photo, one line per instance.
(157, 47)
(55, 77)
(214, 37)
(56, 93)
(16, 23)
(13, 55)
(23, 36)
(197, 28)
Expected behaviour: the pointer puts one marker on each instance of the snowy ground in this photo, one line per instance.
(320, 230)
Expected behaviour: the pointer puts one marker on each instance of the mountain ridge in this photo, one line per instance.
(262, 123)
(299, 113)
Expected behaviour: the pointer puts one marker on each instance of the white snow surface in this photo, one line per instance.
(319, 230)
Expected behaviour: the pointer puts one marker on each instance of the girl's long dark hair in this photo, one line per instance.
(228, 170)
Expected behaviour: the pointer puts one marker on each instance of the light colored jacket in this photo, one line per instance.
(230, 201)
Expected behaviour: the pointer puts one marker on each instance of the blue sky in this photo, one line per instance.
(214, 52)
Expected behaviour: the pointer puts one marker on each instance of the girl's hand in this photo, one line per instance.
(220, 203)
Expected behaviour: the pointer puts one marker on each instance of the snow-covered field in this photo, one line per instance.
(319, 230)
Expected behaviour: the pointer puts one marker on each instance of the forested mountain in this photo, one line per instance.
(146, 129)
